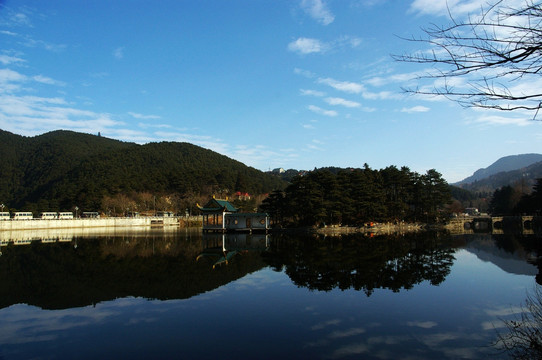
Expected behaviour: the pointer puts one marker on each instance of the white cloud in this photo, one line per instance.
(47, 80)
(32, 115)
(394, 79)
(143, 117)
(343, 102)
(443, 8)
(347, 41)
(311, 93)
(12, 81)
(307, 46)
(304, 73)
(502, 120)
(118, 53)
(415, 109)
(17, 19)
(158, 126)
(7, 60)
(9, 80)
(312, 146)
(317, 9)
(382, 95)
(346, 86)
(318, 110)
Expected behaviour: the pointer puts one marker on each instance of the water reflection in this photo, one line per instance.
(364, 263)
(88, 270)
(220, 248)
(75, 268)
(292, 295)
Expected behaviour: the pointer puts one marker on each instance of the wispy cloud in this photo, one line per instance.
(14, 18)
(443, 8)
(346, 86)
(381, 95)
(318, 10)
(118, 53)
(415, 109)
(310, 125)
(342, 102)
(47, 80)
(320, 111)
(11, 80)
(32, 115)
(143, 117)
(311, 93)
(33, 43)
(310, 46)
(7, 60)
(314, 145)
(307, 46)
(305, 73)
(394, 78)
(502, 120)
(158, 126)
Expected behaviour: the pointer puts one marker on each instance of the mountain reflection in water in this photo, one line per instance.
(86, 271)
(158, 265)
(406, 295)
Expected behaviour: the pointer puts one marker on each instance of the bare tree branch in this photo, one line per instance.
(497, 55)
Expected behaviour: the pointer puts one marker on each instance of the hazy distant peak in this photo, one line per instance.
(507, 163)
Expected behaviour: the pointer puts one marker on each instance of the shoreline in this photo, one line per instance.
(379, 228)
(79, 223)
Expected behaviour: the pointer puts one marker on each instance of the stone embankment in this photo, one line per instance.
(35, 224)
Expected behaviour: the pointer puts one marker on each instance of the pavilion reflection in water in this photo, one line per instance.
(220, 248)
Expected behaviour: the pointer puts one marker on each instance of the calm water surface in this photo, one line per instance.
(176, 293)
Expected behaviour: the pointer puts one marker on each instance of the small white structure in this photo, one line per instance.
(20, 215)
(65, 215)
(4, 215)
(164, 214)
(48, 215)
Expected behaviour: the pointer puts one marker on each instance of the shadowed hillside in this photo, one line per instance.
(60, 169)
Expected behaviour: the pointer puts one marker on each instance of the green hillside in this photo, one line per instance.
(63, 169)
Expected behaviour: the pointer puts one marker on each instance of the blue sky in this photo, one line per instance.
(294, 84)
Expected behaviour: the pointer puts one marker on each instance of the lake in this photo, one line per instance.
(178, 293)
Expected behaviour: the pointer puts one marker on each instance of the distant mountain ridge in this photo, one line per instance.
(524, 176)
(63, 169)
(504, 164)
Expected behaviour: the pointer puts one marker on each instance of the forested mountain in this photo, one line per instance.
(504, 164)
(525, 177)
(63, 169)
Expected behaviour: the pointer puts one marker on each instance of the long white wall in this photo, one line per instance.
(84, 223)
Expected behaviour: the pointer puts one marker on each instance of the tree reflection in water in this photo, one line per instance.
(522, 338)
(363, 263)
